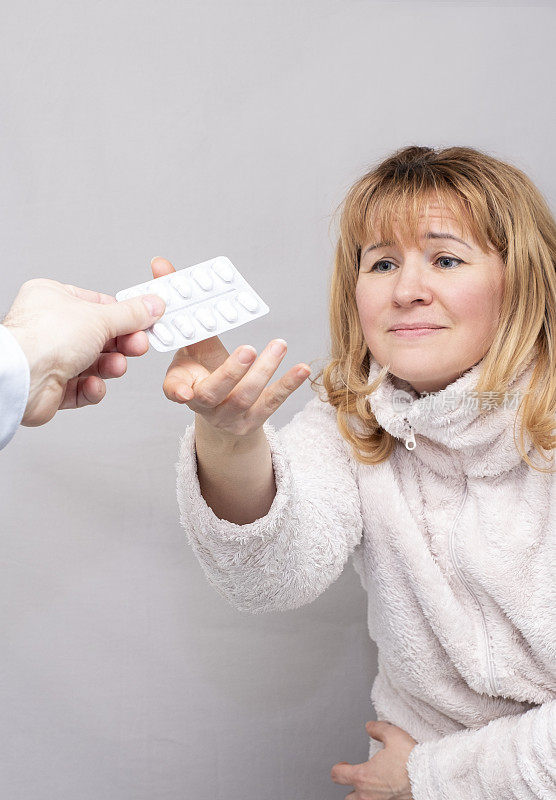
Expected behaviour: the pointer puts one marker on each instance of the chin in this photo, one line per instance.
(422, 381)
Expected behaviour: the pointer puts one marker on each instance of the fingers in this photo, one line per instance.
(90, 295)
(137, 344)
(210, 352)
(343, 773)
(178, 386)
(192, 364)
(107, 365)
(90, 391)
(182, 374)
(223, 381)
(216, 386)
(134, 314)
(253, 397)
(234, 397)
(379, 729)
(277, 393)
(161, 266)
(83, 391)
(132, 344)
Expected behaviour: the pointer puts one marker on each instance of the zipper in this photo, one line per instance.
(410, 442)
(490, 662)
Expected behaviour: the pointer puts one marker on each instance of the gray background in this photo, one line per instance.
(191, 130)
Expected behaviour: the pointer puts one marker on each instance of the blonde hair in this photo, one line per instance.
(499, 205)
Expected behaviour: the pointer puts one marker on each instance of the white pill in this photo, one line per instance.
(206, 318)
(184, 324)
(248, 301)
(226, 309)
(224, 270)
(183, 285)
(163, 333)
(204, 279)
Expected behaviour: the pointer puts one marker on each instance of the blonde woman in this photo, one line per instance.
(426, 454)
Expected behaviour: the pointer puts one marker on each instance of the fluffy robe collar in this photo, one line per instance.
(445, 431)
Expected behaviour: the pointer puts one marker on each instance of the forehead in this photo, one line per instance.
(434, 217)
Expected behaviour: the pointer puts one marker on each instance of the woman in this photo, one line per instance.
(426, 454)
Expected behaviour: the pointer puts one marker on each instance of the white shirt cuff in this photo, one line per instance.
(15, 378)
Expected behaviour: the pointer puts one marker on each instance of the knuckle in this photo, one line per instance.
(274, 400)
(240, 401)
(32, 283)
(206, 396)
(288, 384)
(229, 373)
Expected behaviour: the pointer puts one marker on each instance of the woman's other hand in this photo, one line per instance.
(385, 776)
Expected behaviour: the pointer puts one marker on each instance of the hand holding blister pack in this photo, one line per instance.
(204, 300)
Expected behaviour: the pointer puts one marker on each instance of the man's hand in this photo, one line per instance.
(385, 776)
(73, 339)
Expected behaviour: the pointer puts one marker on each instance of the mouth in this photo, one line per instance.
(411, 333)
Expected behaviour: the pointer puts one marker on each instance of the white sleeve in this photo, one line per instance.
(14, 385)
(290, 556)
(511, 758)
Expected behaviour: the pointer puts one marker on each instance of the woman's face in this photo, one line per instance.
(446, 282)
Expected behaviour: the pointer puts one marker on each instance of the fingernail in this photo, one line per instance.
(155, 304)
(278, 347)
(245, 356)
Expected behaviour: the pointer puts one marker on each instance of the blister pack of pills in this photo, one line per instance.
(204, 300)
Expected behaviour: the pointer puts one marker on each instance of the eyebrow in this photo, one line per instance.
(429, 235)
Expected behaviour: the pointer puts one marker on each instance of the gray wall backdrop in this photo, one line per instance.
(193, 129)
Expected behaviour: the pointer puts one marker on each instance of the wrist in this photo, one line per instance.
(225, 441)
(44, 382)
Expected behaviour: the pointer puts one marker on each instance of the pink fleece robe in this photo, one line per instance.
(453, 539)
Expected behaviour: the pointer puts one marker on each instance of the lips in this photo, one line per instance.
(414, 333)
(409, 326)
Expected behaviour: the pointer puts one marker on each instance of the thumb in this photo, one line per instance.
(134, 314)
(378, 729)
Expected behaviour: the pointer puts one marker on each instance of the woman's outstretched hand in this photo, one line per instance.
(385, 776)
(228, 391)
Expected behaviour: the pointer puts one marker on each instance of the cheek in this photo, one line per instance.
(477, 306)
(367, 305)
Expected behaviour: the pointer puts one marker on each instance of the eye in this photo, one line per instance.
(449, 258)
(440, 258)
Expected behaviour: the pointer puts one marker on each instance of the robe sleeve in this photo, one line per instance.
(14, 385)
(511, 758)
(288, 557)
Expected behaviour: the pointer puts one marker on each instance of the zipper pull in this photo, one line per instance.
(410, 442)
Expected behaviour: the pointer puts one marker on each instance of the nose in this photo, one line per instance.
(411, 284)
